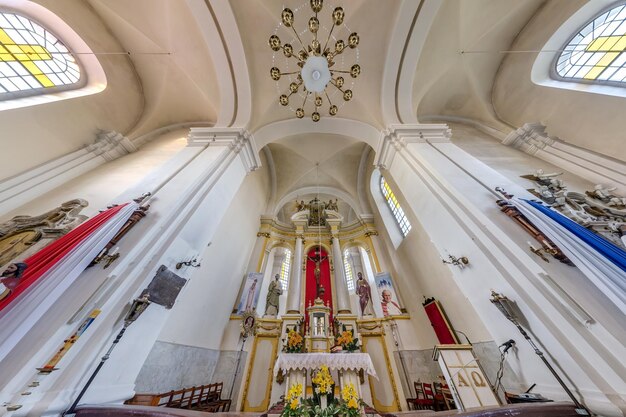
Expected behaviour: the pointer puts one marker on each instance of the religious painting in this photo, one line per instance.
(250, 293)
(388, 298)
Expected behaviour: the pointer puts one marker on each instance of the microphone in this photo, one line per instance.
(507, 345)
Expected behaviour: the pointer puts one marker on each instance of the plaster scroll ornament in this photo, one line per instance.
(599, 210)
(22, 233)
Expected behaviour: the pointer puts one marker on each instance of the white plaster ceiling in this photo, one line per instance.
(449, 83)
(178, 88)
(185, 86)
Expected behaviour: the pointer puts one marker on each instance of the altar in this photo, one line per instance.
(296, 366)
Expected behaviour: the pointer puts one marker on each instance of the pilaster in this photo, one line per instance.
(239, 140)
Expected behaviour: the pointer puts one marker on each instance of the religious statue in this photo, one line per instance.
(250, 297)
(10, 278)
(318, 259)
(332, 205)
(300, 206)
(364, 292)
(273, 297)
(605, 195)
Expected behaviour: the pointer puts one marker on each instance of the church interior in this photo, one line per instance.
(312, 208)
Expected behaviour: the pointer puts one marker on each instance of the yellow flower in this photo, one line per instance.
(352, 403)
(294, 404)
(323, 380)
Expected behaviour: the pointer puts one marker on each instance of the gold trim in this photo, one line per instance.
(235, 317)
(268, 390)
(262, 254)
(376, 403)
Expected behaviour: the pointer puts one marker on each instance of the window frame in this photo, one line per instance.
(93, 79)
(555, 60)
(285, 270)
(80, 83)
(398, 213)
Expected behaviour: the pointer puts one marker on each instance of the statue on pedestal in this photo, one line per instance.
(273, 297)
(364, 292)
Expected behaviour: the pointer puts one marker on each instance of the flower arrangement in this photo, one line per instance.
(323, 381)
(350, 405)
(346, 340)
(295, 342)
(293, 402)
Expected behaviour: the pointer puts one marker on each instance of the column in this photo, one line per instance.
(343, 297)
(295, 284)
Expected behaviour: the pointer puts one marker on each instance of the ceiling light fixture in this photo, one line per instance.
(315, 63)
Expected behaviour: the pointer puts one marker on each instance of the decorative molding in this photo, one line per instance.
(263, 234)
(20, 189)
(239, 140)
(533, 139)
(396, 137)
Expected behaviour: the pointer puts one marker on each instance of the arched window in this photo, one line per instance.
(348, 269)
(38, 58)
(393, 204)
(284, 270)
(32, 59)
(596, 53)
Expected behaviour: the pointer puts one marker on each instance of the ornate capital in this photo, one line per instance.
(530, 138)
(111, 145)
(371, 233)
(263, 234)
(396, 137)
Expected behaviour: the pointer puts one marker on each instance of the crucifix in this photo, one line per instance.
(317, 259)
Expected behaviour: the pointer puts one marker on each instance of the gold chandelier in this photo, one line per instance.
(314, 68)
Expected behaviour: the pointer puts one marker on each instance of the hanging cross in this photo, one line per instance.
(26, 55)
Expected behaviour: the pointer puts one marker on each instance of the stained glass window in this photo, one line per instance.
(284, 270)
(348, 269)
(393, 204)
(597, 51)
(31, 58)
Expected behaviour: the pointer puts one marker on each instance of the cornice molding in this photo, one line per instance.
(238, 140)
(396, 137)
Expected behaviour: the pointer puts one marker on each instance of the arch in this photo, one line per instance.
(280, 244)
(311, 244)
(291, 127)
(313, 190)
(542, 72)
(92, 80)
(226, 50)
(414, 22)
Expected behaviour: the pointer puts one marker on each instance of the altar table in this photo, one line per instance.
(348, 366)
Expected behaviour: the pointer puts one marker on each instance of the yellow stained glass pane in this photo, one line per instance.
(5, 39)
(604, 62)
(31, 54)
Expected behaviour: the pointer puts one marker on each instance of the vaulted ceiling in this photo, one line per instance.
(207, 62)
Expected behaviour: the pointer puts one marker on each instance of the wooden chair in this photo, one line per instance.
(427, 402)
(448, 398)
(440, 403)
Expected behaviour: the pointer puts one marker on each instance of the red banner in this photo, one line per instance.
(310, 294)
(46, 258)
(441, 325)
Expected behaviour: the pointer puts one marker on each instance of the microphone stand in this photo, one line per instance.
(503, 304)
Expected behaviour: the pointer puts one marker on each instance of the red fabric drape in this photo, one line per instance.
(47, 257)
(438, 319)
(311, 290)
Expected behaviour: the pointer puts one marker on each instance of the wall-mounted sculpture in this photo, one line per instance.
(22, 233)
(598, 210)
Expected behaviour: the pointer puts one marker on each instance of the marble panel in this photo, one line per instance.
(172, 366)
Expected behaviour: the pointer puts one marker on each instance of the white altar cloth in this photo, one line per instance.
(334, 361)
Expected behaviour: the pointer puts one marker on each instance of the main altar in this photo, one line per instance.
(297, 366)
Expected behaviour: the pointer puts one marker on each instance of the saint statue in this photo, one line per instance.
(364, 292)
(317, 271)
(250, 296)
(272, 300)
